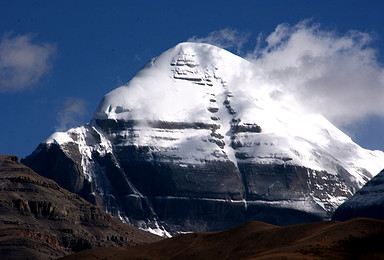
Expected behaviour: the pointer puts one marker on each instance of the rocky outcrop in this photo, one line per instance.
(367, 202)
(41, 220)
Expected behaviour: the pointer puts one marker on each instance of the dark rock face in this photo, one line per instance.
(284, 182)
(367, 202)
(56, 165)
(41, 220)
(219, 180)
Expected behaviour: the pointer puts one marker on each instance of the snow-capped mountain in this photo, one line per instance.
(199, 139)
(367, 202)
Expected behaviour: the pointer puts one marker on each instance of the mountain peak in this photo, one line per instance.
(174, 86)
(201, 128)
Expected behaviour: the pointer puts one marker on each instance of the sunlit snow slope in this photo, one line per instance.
(200, 139)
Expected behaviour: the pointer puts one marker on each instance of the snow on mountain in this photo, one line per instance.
(199, 126)
(367, 202)
(163, 91)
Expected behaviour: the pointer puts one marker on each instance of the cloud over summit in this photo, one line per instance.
(337, 75)
(225, 38)
(70, 113)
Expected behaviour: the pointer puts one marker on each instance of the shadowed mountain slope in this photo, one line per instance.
(41, 220)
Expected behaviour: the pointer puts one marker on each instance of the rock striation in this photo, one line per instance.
(41, 220)
(200, 140)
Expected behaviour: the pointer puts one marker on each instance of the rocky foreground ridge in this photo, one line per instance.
(200, 140)
(41, 220)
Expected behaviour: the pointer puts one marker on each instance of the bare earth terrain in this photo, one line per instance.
(359, 238)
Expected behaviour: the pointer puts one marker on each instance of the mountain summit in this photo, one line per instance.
(199, 140)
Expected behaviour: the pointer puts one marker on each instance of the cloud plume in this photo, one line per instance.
(22, 62)
(336, 75)
(70, 113)
(225, 38)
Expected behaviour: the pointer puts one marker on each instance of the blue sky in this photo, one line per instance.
(58, 58)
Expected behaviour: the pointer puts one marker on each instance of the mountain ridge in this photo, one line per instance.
(366, 202)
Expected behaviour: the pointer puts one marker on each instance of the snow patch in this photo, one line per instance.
(59, 137)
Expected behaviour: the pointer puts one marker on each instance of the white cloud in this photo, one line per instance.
(336, 75)
(70, 113)
(22, 62)
(225, 38)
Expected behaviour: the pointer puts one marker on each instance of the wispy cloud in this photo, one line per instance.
(336, 75)
(70, 113)
(22, 62)
(225, 38)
